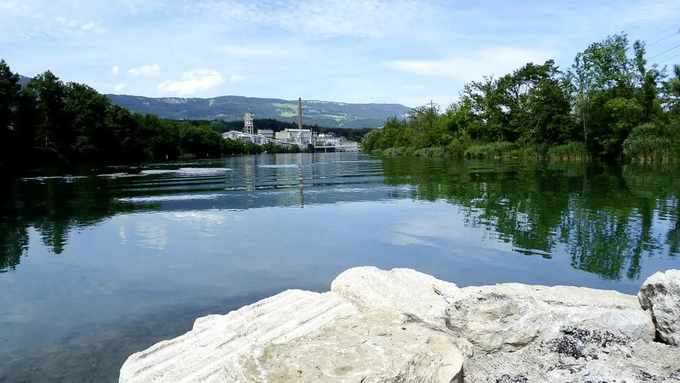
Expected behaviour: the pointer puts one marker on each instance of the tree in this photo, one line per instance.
(9, 103)
(671, 91)
(54, 134)
(87, 112)
(603, 79)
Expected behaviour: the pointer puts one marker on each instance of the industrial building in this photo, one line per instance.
(289, 137)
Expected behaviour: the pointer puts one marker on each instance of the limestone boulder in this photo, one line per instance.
(201, 354)
(579, 355)
(508, 317)
(401, 290)
(660, 296)
(370, 348)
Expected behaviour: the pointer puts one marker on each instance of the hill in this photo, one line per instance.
(230, 108)
(23, 80)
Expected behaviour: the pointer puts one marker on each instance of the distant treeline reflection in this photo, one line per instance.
(53, 207)
(608, 219)
(603, 216)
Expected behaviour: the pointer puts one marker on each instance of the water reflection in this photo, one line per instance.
(605, 218)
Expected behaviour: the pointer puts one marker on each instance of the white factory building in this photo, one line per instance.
(290, 137)
(266, 132)
(258, 139)
(300, 137)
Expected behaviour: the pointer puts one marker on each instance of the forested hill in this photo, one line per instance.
(230, 108)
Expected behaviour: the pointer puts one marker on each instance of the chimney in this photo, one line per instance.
(300, 111)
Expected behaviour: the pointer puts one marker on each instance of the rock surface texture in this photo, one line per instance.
(508, 317)
(369, 348)
(401, 290)
(660, 295)
(404, 326)
(216, 340)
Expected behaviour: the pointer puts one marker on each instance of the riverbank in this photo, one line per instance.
(506, 150)
(402, 325)
(574, 151)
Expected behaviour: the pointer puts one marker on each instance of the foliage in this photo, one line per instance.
(49, 120)
(654, 142)
(493, 149)
(573, 150)
(590, 111)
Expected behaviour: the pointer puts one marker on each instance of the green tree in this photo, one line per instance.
(671, 90)
(54, 134)
(603, 81)
(87, 112)
(9, 103)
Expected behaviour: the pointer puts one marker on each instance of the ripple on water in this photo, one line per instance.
(291, 166)
(66, 178)
(165, 198)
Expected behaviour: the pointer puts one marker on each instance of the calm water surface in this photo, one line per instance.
(100, 263)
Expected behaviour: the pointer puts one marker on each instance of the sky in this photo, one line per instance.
(359, 51)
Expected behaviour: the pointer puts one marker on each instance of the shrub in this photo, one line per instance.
(493, 149)
(651, 142)
(571, 150)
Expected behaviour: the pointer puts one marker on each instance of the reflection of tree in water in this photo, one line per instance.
(53, 207)
(604, 216)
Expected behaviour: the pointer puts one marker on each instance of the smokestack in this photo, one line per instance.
(300, 111)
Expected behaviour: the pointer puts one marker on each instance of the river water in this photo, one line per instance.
(97, 264)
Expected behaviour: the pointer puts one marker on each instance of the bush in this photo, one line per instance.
(572, 150)
(654, 143)
(491, 150)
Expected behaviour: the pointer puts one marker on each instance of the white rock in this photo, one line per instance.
(370, 348)
(508, 317)
(660, 295)
(579, 356)
(400, 290)
(201, 354)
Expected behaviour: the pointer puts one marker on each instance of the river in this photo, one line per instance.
(100, 263)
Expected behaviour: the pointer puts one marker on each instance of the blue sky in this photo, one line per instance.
(403, 51)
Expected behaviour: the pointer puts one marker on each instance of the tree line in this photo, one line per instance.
(610, 104)
(49, 120)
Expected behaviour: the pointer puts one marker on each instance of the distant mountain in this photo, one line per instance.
(23, 80)
(229, 108)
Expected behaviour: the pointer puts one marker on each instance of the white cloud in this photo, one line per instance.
(75, 25)
(261, 51)
(153, 235)
(115, 70)
(325, 49)
(496, 61)
(192, 82)
(327, 18)
(633, 12)
(88, 26)
(148, 71)
(119, 87)
(236, 77)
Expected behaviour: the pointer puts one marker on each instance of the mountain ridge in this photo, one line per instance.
(230, 108)
(332, 114)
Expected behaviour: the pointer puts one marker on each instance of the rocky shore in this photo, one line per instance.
(405, 326)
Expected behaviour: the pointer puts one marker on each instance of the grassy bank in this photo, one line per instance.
(653, 143)
(574, 151)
